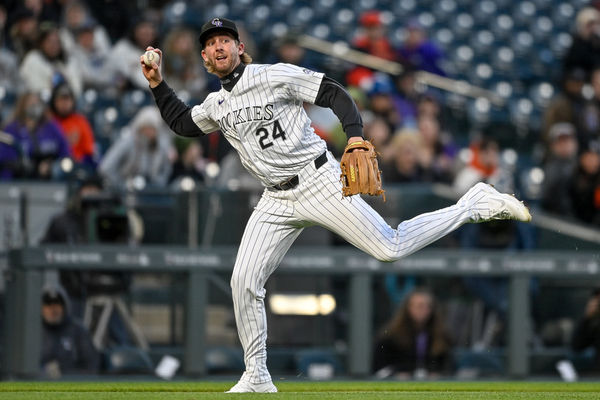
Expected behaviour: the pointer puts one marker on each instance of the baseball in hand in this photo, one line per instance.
(151, 56)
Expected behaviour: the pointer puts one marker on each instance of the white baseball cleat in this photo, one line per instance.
(246, 387)
(487, 204)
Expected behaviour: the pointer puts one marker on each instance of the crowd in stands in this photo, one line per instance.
(69, 68)
(59, 57)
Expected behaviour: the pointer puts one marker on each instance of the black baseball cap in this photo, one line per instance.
(218, 24)
(52, 296)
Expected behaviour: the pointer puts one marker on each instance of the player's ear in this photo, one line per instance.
(241, 48)
(203, 54)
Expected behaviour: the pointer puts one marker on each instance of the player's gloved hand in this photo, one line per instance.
(360, 170)
(152, 73)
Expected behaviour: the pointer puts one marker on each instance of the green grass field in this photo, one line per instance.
(299, 390)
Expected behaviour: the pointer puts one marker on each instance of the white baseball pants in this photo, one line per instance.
(280, 217)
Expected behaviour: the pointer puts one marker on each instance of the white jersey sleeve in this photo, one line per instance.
(299, 83)
(201, 115)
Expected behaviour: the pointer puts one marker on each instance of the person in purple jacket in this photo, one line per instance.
(31, 142)
(419, 52)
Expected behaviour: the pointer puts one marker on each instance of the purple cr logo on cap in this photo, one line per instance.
(217, 22)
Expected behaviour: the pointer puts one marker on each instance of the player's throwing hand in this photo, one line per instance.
(152, 73)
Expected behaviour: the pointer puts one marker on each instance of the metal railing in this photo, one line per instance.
(26, 267)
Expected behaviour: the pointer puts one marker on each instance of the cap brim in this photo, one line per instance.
(211, 31)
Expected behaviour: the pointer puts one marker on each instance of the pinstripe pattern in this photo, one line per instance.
(267, 97)
(280, 217)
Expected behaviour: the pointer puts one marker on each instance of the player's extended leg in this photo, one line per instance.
(267, 237)
(354, 220)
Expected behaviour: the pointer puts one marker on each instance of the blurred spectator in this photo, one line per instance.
(558, 169)
(76, 18)
(23, 31)
(415, 342)
(567, 106)
(420, 52)
(32, 142)
(182, 68)
(483, 166)
(48, 65)
(8, 60)
(75, 126)
(587, 331)
(125, 55)
(115, 15)
(584, 52)
(406, 98)
(287, 50)
(92, 216)
(436, 153)
(92, 61)
(66, 345)
(589, 129)
(381, 101)
(87, 43)
(428, 106)
(379, 133)
(143, 151)
(189, 162)
(403, 165)
(585, 186)
(373, 38)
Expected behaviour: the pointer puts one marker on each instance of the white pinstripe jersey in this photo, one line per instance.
(264, 120)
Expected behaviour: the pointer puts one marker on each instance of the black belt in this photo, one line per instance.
(293, 181)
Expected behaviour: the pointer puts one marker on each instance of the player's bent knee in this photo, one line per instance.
(385, 255)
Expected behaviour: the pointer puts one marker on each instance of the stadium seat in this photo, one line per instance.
(502, 59)
(563, 16)
(462, 25)
(445, 38)
(321, 31)
(281, 8)
(483, 12)
(299, 18)
(275, 31)
(542, 28)
(404, 8)
(132, 101)
(541, 94)
(443, 9)
(560, 44)
(502, 26)
(426, 20)
(241, 8)
(521, 110)
(503, 88)
(323, 8)
(482, 74)
(463, 58)
(343, 22)
(479, 110)
(522, 43)
(523, 13)
(482, 43)
(364, 5)
(256, 18)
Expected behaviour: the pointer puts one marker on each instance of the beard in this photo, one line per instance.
(221, 69)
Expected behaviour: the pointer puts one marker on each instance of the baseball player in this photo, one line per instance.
(259, 109)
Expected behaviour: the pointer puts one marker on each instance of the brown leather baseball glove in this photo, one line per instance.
(360, 170)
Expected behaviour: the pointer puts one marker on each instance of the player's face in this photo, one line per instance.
(222, 52)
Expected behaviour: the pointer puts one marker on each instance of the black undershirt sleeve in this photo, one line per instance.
(333, 95)
(175, 112)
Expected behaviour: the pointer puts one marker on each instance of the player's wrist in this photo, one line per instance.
(154, 83)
